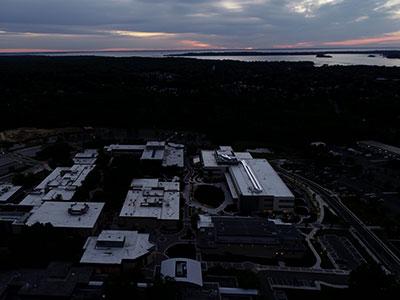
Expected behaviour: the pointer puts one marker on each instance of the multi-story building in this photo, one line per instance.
(79, 216)
(115, 250)
(151, 203)
(248, 236)
(153, 153)
(60, 185)
(252, 182)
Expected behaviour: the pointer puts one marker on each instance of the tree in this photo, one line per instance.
(163, 288)
(369, 281)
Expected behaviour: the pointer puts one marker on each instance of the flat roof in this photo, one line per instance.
(67, 214)
(63, 177)
(34, 198)
(153, 154)
(127, 148)
(256, 177)
(182, 270)
(62, 193)
(209, 158)
(51, 177)
(61, 184)
(7, 191)
(174, 155)
(151, 198)
(86, 157)
(135, 246)
(169, 154)
(248, 230)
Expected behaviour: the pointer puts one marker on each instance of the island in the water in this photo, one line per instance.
(393, 54)
(323, 55)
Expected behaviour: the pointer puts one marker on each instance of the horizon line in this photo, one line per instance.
(55, 51)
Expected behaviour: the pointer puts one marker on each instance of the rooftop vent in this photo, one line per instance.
(78, 209)
(4, 190)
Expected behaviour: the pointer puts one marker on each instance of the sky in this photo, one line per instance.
(76, 25)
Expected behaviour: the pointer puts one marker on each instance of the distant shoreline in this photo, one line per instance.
(391, 54)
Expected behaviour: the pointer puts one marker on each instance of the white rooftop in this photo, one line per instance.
(169, 154)
(7, 191)
(174, 155)
(204, 221)
(209, 157)
(115, 246)
(127, 148)
(150, 198)
(153, 151)
(51, 177)
(61, 184)
(182, 270)
(66, 214)
(34, 198)
(87, 157)
(256, 177)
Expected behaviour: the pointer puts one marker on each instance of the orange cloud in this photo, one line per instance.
(141, 34)
(195, 44)
(393, 37)
(294, 46)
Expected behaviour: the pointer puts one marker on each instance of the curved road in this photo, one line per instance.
(384, 254)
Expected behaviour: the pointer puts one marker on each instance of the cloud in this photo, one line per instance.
(309, 7)
(295, 45)
(196, 45)
(361, 19)
(160, 24)
(390, 7)
(141, 34)
(392, 37)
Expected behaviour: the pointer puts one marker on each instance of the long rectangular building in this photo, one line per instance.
(59, 185)
(259, 188)
(252, 182)
(78, 215)
(248, 236)
(167, 155)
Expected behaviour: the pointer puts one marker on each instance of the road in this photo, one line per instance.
(380, 250)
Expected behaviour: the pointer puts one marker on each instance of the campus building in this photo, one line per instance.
(248, 236)
(86, 157)
(153, 153)
(217, 162)
(151, 203)
(79, 216)
(8, 192)
(115, 250)
(182, 270)
(60, 185)
(258, 188)
(252, 182)
(119, 150)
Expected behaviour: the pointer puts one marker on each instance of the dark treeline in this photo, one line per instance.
(266, 101)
